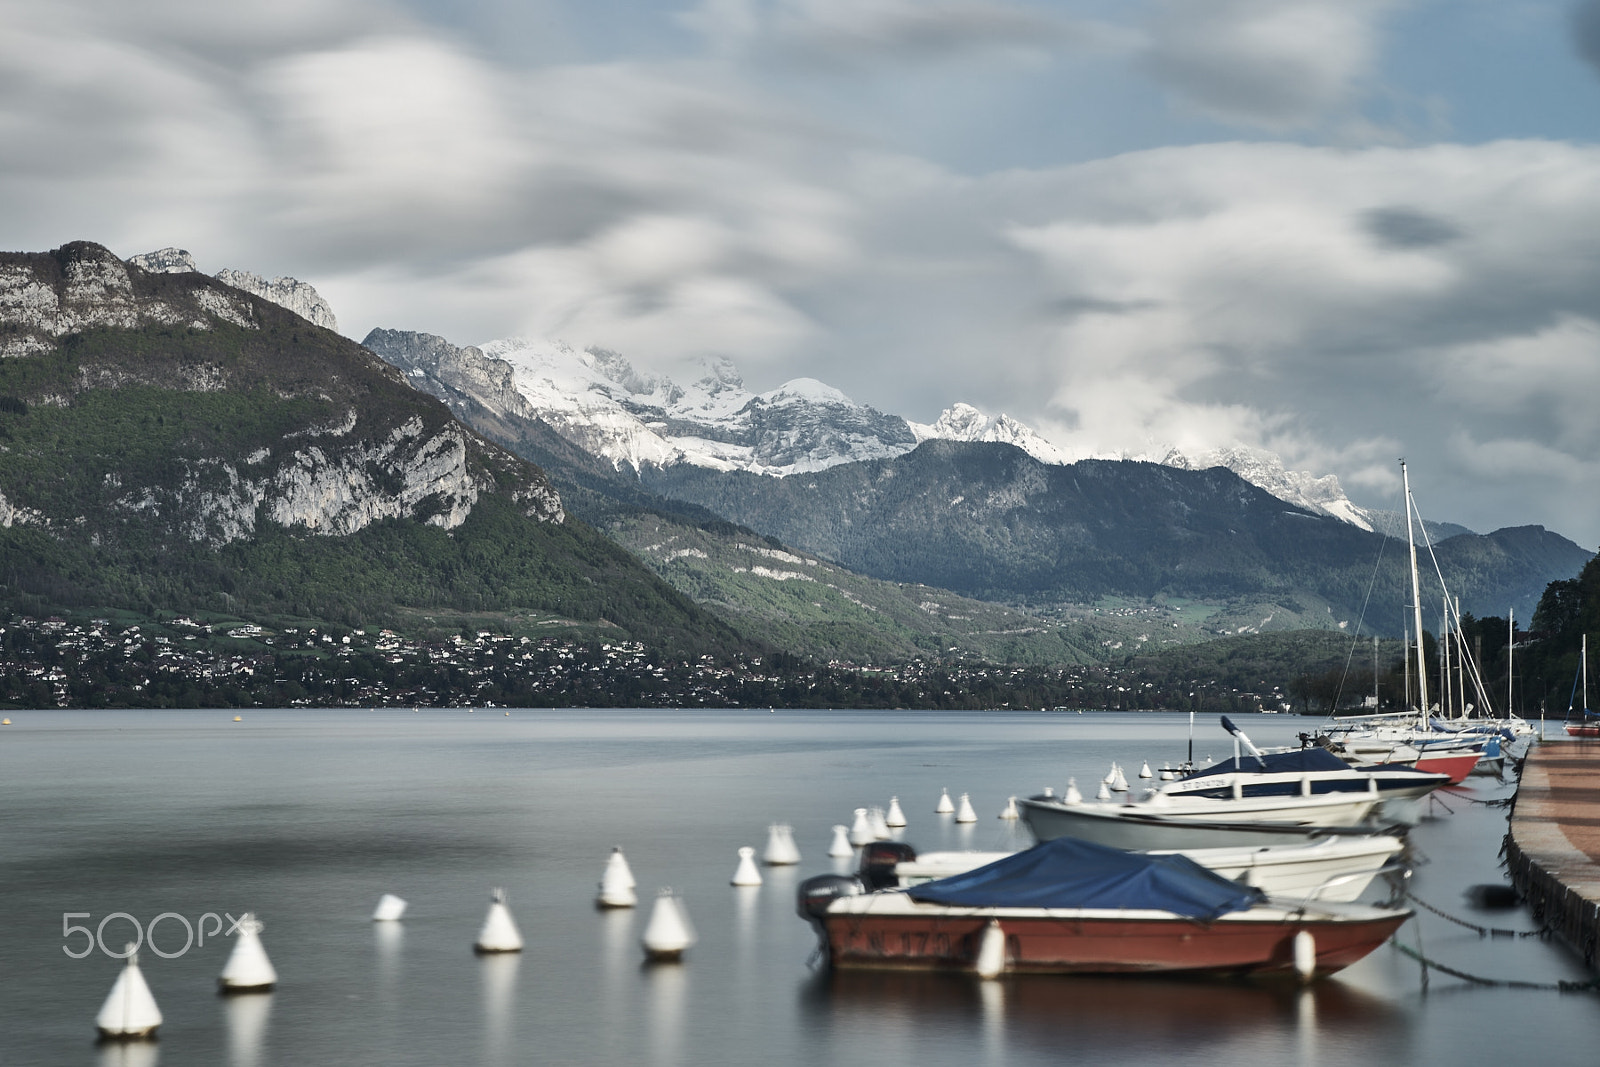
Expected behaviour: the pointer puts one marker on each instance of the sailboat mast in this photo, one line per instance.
(1446, 635)
(1511, 648)
(1416, 599)
(1461, 658)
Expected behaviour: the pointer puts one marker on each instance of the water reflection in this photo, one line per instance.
(499, 1002)
(247, 1027)
(388, 938)
(667, 987)
(129, 1054)
(1113, 1016)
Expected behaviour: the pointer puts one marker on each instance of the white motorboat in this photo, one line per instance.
(1202, 822)
(1323, 868)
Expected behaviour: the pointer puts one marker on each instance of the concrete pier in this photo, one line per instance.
(1553, 850)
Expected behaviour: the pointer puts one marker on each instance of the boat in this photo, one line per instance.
(1073, 907)
(1589, 724)
(1322, 868)
(1143, 825)
(1301, 772)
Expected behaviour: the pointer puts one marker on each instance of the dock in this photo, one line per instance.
(1553, 848)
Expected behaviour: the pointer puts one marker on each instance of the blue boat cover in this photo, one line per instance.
(1069, 873)
(1299, 761)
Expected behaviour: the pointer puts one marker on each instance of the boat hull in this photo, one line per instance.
(925, 937)
(1582, 730)
(1127, 827)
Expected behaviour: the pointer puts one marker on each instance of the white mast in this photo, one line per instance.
(1511, 647)
(1416, 600)
(1446, 636)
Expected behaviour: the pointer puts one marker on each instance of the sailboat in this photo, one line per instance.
(1589, 725)
(1452, 748)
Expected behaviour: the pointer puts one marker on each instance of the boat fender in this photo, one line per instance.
(991, 962)
(879, 860)
(1305, 955)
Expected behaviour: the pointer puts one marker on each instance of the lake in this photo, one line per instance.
(306, 817)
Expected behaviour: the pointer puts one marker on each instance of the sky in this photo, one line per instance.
(1345, 231)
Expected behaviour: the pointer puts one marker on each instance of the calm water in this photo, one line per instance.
(306, 817)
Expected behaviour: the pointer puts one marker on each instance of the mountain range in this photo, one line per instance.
(172, 441)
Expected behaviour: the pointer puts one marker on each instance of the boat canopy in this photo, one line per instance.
(1069, 873)
(1298, 761)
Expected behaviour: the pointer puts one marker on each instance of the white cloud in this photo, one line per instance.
(1275, 64)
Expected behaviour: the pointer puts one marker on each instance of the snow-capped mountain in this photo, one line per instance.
(963, 422)
(597, 400)
(1264, 469)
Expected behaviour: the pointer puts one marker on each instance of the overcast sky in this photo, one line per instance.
(1344, 230)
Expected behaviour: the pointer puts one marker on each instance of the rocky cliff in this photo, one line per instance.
(299, 297)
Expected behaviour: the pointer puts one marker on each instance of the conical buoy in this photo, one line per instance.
(1119, 782)
(896, 817)
(1111, 775)
(965, 812)
(880, 825)
(747, 873)
(1305, 955)
(390, 909)
(1049, 792)
(991, 962)
(1103, 793)
(1144, 771)
(617, 884)
(1072, 795)
(944, 807)
(840, 849)
(499, 933)
(861, 829)
(130, 1011)
(781, 850)
(248, 970)
(668, 933)
(1011, 810)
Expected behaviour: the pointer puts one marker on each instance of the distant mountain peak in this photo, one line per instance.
(1322, 494)
(299, 297)
(963, 422)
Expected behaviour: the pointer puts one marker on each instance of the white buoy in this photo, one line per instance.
(1119, 781)
(1103, 793)
(248, 970)
(781, 850)
(616, 883)
(1072, 795)
(668, 934)
(965, 812)
(1305, 955)
(880, 824)
(390, 909)
(747, 873)
(1111, 775)
(1144, 771)
(896, 816)
(991, 962)
(1049, 791)
(1168, 774)
(944, 807)
(130, 1011)
(499, 933)
(861, 830)
(841, 849)
(1010, 811)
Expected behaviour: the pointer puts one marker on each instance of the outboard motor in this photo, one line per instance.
(879, 860)
(819, 891)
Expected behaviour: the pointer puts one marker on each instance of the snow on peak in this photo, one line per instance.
(963, 422)
(1323, 495)
(598, 400)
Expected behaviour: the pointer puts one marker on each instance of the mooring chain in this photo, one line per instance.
(1482, 931)
(1553, 987)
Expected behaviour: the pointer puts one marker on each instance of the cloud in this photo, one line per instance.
(1585, 27)
(1275, 64)
(863, 31)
